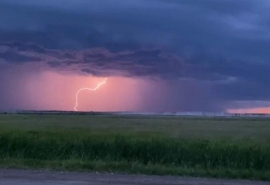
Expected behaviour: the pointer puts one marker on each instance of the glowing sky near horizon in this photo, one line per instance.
(259, 110)
(165, 56)
(57, 92)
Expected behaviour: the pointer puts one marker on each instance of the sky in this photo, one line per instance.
(157, 55)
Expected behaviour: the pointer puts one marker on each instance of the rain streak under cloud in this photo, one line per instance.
(157, 55)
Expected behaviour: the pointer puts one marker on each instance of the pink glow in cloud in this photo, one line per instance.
(53, 91)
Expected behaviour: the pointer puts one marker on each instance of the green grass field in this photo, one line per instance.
(208, 147)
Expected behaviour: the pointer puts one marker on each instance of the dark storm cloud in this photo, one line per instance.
(224, 43)
(16, 58)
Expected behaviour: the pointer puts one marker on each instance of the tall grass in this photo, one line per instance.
(204, 154)
(151, 145)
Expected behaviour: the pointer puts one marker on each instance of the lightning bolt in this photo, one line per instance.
(88, 89)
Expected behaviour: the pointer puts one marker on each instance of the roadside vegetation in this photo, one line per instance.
(132, 149)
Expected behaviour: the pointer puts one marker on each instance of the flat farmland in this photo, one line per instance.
(257, 129)
(161, 145)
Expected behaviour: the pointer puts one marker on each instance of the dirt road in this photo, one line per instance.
(23, 177)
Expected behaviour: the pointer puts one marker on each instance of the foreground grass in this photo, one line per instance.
(223, 148)
(135, 154)
(132, 168)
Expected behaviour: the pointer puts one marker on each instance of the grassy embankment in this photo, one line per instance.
(225, 148)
